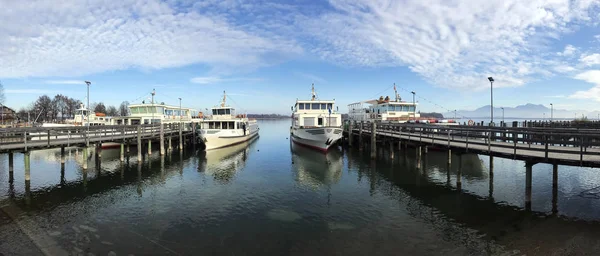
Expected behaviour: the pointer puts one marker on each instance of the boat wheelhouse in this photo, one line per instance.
(224, 128)
(157, 113)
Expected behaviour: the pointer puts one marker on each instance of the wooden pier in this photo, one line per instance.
(533, 143)
(23, 140)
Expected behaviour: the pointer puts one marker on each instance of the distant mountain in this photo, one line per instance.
(431, 115)
(527, 111)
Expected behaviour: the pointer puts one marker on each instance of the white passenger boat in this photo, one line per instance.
(384, 109)
(315, 124)
(224, 128)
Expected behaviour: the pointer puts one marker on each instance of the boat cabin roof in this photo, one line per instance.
(315, 101)
(377, 102)
(159, 105)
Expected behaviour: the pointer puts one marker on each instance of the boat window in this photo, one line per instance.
(300, 105)
(134, 110)
(330, 106)
(391, 108)
(228, 111)
(314, 106)
(160, 110)
(221, 111)
(214, 111)
(231, 125)
(323, 106)
(320, 121)
(211, 125)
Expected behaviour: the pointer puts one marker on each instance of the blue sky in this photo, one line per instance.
(266, 54)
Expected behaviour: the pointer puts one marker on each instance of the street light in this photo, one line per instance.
(414, 106)
(502, 115)
(455, 115)
(180, 110)
(551, 112)
(491, 100)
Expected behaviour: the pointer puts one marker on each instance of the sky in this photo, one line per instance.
(266, 54)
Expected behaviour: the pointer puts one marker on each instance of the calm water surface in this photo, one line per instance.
(272, 198)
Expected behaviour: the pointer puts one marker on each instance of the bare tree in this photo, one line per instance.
(112, 111)
(43, 105)
(99, 108)
(72, 106)
(124, 108)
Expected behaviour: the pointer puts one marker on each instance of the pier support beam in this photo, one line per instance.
(27, 158)
(360, 136)
(122, 155)
(62, 155)
(391, 149)
(11, 165)
(373, 140)
(162, 139)
(528, 180)
(350, 129)
(491, 186)
(180, 137)
(418, 151)
(170, 148)
(458, 173)
(85, 157)
(554, 189)
(139, 144)
(449, 156)
(425, 149)
(99, 150)
(149, 147)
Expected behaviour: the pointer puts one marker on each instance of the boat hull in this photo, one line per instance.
(321, 138)
(216, 142)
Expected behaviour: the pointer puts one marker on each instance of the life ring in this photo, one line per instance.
(471, 122)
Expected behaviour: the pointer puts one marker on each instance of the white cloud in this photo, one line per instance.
(555, 96)
(64, 82)
(28, 91)
(311, 77)
(74, 38)
(590, 76)
(454, 44)
(217, 79)
(564, 69)
(597, 37)
(569, 50)
(590, 60)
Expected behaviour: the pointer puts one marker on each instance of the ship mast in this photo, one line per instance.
(396, 93)
(224, 99)
(314, 95)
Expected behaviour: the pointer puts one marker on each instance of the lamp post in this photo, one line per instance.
(491, 100)
(87, 141)
(414, 106)
(153, 108)
(455, 115)
(502, 115)
(551, 112)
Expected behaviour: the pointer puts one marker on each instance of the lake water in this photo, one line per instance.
(272, 198)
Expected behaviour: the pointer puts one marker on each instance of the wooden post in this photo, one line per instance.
(27, 158)
(418, 157)
(373, 140)
(546, 147)
(399, 145)
(149, 146)
(99, 150)
(554, 189)
(391, 149)
(122, 155)
(193, 133)
(11, 167)
(458, 173)
(425, 149)
(360, 136)
(450, 156)
(350, 134)
(180, 136)
(162, 139)
(48, 138)
(139, 143)
(491, 186)
(62, 154)
(528, 180)
(85, 157)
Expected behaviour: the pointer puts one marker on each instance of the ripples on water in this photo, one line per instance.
(270, 197)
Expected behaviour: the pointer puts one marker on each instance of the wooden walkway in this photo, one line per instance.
(24, 139)
(566, 146)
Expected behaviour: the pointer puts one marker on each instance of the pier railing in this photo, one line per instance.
(37, 137)
(573, 144)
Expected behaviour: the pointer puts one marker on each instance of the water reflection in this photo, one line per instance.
(223, 163)
(315, 169)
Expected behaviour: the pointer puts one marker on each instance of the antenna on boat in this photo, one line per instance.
(153, 93)
(314, 95)
(224, 99)
(396, 93)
